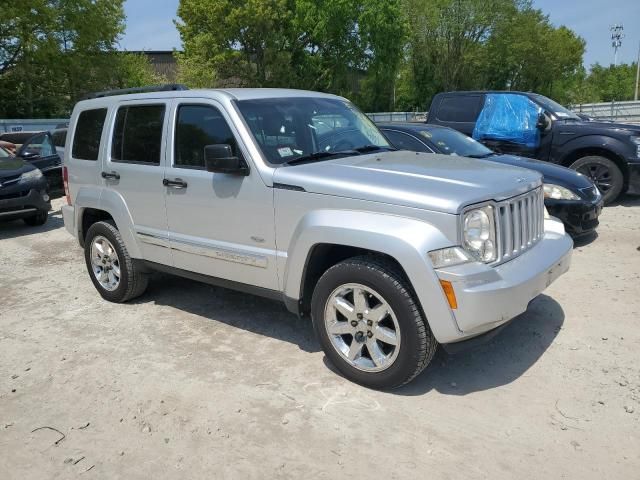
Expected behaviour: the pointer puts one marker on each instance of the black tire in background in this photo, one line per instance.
(38, 219)
(417, 346)
(604, 173)
(133, 282)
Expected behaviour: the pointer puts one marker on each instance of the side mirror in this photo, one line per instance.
(27, 155)
(220, 159)
(543, 122)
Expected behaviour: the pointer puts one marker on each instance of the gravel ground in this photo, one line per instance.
(191, 381)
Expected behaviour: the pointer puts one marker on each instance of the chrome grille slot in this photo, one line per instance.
(520, 224)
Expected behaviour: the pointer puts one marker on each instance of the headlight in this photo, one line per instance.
(636, 140)
(448, 257)
(30, 176)
(479, 234)
(558, 193)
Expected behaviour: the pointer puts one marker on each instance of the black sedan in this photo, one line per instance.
(569, 196)
(38, 148)
(23, 191)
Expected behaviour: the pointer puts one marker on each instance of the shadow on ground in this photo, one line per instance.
(626, 200)
(237, 309)
(501, 361)
(17, 228)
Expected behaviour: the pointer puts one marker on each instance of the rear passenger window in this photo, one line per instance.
(198, 126)
(137, 135)
(460, 108)
(86, 140)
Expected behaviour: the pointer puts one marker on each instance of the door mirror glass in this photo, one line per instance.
(220, 159)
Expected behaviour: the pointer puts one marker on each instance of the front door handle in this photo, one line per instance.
(177, 183)
(111, 175)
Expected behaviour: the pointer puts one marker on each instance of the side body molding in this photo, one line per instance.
(407, 240)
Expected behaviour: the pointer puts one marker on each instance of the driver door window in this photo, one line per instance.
(196, 127)
(40, 146)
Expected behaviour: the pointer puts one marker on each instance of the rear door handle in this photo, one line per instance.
(177, 183)
(111, 175)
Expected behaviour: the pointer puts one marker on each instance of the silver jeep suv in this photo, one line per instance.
(297, 196)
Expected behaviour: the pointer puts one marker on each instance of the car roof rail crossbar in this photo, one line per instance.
(170, 87)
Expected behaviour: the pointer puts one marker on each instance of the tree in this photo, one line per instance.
(337, 46)
(527, 53)
(54, 51)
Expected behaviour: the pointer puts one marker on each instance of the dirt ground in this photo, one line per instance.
(192, 381)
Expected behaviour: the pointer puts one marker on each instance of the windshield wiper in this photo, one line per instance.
(373, 148)
(316, 156)
(482, 155)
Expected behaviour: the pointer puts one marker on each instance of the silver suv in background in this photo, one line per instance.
(297, 196)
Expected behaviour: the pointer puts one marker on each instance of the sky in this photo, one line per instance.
(150, 25)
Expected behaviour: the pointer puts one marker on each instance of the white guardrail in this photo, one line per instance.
(624, 112)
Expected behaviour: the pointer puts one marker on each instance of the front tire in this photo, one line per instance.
(110, 266)
(369, 324)
(604, 173)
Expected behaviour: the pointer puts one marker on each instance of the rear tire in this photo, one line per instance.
(111, 268)
(604, 173)
(38, 219)
(378, 364)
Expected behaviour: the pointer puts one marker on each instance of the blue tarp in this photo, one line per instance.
(509, 117)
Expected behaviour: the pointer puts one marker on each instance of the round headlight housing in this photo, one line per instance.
(479, 234)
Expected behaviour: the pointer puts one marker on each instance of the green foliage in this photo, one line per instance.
(54, 51)
(349, 47)
(605, 84)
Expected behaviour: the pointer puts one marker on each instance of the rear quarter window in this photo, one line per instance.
(86, 140)
(459, 108)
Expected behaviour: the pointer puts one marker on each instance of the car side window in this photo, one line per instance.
(40, 146)
(196, 127)
(404, 141)
(459, 108)
(137, 135)
(86, 140)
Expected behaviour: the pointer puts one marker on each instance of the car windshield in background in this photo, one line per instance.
(555, 108)
(4, 153)
(309, 128)
(452, 142)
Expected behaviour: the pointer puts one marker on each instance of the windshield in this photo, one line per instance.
(287, 129)
(452, 142)
(555, 108)
(4, 153)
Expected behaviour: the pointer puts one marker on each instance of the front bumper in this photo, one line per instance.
(488, 297)
(18, 203)
(580, 217)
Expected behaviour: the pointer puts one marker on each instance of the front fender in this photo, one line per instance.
(406, 240)
(604, 142)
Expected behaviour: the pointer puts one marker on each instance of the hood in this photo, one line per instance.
(551, 173)
(418, 180)
(600, 127)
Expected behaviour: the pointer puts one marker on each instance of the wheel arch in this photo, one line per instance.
(599, 151)
(324, 238)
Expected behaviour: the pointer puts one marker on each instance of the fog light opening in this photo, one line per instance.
(45, 197)
(447, 288)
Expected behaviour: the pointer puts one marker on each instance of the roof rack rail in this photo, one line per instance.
(170, 87)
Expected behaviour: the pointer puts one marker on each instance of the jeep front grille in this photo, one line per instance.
(520, 222)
